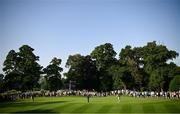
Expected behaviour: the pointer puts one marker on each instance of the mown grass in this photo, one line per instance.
(74, 104)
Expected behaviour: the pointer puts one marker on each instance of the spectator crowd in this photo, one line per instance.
(59, 93)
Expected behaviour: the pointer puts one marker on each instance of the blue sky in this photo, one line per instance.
(63, 27)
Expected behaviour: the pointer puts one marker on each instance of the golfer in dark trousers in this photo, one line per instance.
(88, 96)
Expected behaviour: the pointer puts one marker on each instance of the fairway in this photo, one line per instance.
(75, 104)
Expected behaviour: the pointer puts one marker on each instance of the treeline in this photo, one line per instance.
(138, 68)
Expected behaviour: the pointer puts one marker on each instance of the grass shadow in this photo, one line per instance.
(36, 104)
(37, 111)
(23, 104)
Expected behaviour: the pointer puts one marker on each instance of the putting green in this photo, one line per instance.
(74, 104)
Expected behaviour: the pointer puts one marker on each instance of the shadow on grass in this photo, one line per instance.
(23, 104)
(37, 111)
(27, 107)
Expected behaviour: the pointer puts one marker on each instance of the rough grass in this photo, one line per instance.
(97, 105)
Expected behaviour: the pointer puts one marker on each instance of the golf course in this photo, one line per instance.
(77, 104)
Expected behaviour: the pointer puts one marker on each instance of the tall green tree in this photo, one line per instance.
(12, 75)
(104, 55)
(21, 69)
(52, 78)
(131, 58)
(155, 59)
(11, 62)
(82, 71)
(155, 56)
(29, 67)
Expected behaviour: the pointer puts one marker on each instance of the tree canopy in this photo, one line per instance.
(52, 76)
(21, 69)
(137, 68)
(83, 71)
(175, 83)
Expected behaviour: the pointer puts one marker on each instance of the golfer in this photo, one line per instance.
(32, 96)
(118, 96)
(88, 96)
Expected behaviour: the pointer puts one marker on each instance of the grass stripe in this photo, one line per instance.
(94, 108)
(137, 108)
(105, 108)
(73, 104)
(172, 108)
(148, 108)
(160, 108)
(62, 108)
(126, 108)
(82, 108)
(115, 109)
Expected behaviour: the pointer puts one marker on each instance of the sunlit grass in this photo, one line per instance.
(74, 104)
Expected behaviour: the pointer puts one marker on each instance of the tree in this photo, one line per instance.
(177, 70)
(156, 55)
(155, 59)
(91, 74)
(83, 71)
(131, 58)
(21, 69)
(52, 76)
(44, 82)
(11, 62)
(121, 76)
(29, 68)
(161, 77)
(12, 75)
(1, 77)
(1, 83)
(104, 55)
(156, 80)
(138, 68)
(175, 83)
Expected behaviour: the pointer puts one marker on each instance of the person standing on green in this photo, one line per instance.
(88, 96)
(119, 95)
(32, 96)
